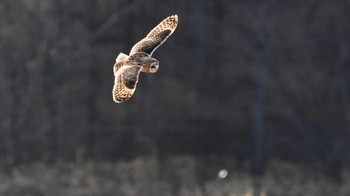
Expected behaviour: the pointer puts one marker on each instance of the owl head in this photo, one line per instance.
(148, 64)
(152, 67)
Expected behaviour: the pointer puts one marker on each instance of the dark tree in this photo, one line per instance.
(259, 105)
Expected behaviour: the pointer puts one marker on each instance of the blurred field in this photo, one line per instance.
(172, 176)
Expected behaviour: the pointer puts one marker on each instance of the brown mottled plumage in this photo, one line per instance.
(127, 68)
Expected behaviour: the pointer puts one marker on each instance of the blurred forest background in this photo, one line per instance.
(241, 85)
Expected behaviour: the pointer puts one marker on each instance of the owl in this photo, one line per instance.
(128, 67)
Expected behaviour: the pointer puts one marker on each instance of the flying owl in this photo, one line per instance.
(127, 68)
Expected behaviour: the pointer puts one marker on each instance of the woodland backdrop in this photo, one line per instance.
(249, 80)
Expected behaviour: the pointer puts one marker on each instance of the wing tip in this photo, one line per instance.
(173, 19)
(118, 100)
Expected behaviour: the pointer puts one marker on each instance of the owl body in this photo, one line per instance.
(128, 67)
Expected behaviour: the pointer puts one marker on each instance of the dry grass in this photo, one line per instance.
(175, 176)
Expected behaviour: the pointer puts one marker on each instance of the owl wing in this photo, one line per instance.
(120, 61)
(157, 36)
(126, 78)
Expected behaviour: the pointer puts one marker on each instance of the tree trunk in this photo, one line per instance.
(199, 14)
(92, 145)
(259, 111)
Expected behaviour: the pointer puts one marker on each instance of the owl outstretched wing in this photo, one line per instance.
(126, 78)
(157, 36)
